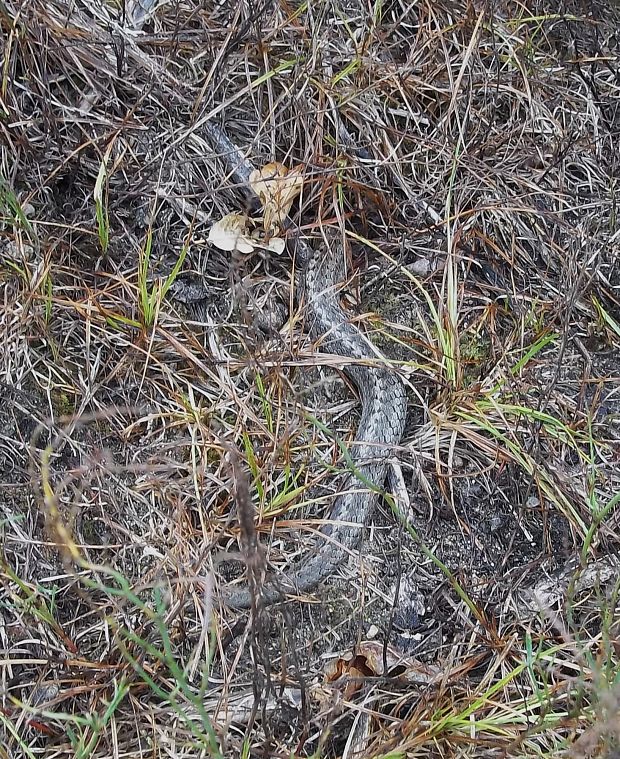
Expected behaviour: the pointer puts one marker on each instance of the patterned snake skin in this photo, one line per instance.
(384, 410)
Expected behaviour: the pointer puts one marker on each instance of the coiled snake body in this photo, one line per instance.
(384, 409)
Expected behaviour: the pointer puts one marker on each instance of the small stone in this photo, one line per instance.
(420, 267)
(18, 252)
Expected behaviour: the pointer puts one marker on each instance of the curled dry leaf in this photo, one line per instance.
(400, 666)
(277, 187)
(276, 245)
(367, 662)
(231, 233)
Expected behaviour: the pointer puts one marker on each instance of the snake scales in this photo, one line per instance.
(382, 394)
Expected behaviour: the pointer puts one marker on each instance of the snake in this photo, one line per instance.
(381, 390)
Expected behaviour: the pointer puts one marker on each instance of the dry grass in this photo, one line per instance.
(471, 149)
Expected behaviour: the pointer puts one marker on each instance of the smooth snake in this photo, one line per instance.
(381, 391)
